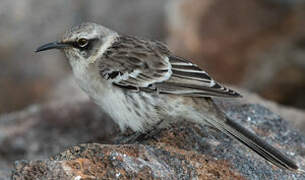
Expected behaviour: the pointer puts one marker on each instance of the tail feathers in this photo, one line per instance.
(265, 150)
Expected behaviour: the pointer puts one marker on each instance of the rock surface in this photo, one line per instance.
(97, 161)
(183, 151)
(43, 130)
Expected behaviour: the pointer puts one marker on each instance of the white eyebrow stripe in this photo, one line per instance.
(108, 42)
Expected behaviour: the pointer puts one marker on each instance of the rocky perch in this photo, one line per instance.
(185, 151)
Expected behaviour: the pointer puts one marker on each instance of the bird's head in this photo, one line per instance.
(83, 43)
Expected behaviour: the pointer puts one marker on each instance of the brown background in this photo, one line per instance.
(254, 44)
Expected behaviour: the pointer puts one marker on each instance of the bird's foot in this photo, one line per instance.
(138, 137)
(148, 135)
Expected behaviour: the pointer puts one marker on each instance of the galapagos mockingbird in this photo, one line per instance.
(142, 85)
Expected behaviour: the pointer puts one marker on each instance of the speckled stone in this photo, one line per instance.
(185, 151)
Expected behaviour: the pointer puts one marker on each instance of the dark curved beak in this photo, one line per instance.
(52, 45)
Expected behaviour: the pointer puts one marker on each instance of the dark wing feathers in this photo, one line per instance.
(139, 65)
(148, 65)
(195, 81)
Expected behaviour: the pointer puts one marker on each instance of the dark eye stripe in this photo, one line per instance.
(89, 45)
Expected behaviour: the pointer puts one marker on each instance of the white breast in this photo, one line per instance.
(126, 109)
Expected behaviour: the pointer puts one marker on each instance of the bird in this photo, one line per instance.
(142, 85)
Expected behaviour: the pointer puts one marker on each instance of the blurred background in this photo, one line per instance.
(258, 45)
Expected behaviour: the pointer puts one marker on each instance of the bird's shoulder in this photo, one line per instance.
(136, 63)
(136, 46)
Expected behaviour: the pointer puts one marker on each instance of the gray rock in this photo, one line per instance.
(43, 130)
(96, 161)
(186, 150)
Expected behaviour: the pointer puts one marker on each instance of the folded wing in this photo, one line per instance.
(132, 63)
(188, 79)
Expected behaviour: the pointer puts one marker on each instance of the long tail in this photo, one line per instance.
(259, 146)
(265, 150)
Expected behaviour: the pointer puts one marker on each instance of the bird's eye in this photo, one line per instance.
(82, 42)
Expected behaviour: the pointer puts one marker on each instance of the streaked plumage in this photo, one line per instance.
(142, 85)
(148, 65)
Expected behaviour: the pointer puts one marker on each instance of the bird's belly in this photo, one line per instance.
(138, 110)
(127, 109)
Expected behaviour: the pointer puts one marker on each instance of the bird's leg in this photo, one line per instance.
(131, 137)
(128, 137)
(151, 133)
